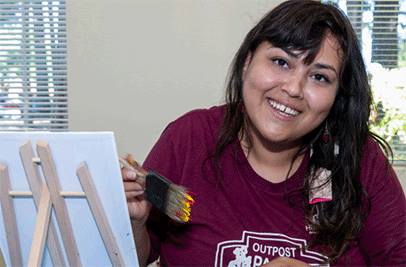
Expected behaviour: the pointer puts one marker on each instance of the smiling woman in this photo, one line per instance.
(287, 167)
(285, 97)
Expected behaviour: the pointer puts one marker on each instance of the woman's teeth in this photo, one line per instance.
(283, 109)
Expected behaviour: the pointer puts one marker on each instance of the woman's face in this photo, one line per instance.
(286, 99)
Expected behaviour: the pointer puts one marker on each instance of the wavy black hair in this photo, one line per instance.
(303, 25)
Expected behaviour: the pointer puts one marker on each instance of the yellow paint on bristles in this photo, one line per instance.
(187, 208)
(190, 198)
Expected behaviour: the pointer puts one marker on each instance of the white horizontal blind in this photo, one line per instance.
(381, 29)
(33, 66)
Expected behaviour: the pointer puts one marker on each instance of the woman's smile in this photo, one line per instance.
(283, 109)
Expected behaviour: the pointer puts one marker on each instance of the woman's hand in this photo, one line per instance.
(286, 262)
(138, 206)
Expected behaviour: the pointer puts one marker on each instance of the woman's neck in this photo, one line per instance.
(272, 161)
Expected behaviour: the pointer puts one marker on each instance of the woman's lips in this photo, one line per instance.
(284, 110)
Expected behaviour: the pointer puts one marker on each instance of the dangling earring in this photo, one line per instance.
(326, 134)
(311, 150)
(242, 108)
(336, 149)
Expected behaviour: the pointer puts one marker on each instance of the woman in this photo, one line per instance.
(287, 171)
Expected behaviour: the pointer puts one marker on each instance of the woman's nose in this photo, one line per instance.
(293, 86)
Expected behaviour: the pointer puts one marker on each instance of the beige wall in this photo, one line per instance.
(134, 66)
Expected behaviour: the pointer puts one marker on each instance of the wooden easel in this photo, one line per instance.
(45, 196)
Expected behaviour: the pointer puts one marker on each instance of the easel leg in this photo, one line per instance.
(9, 217)
(41, 228)
(34, 180)
(61, 211)
(99, 215)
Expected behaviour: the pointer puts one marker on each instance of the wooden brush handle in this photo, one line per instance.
(140, 176)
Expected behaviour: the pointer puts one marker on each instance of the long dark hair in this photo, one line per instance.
(303, 25)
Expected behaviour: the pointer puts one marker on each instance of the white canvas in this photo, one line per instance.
(69, 150)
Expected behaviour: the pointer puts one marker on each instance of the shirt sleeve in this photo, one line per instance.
(383, 241)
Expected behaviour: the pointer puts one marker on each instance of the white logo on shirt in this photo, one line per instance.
(256, 249)
(241, 259)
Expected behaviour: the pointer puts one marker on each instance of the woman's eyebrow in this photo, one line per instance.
(291, 53)
(287, 51)
(325, 66)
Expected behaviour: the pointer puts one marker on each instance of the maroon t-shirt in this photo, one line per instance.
(247, 221)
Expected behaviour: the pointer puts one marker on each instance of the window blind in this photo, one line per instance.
(33, 64)
(381, 29)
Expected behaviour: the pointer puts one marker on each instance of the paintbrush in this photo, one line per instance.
(174, 200)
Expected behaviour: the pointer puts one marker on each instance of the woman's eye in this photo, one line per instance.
(280, 62)
(321, 78)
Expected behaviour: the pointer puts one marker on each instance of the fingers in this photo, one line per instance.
(133, 190)
(139, 209)
(133, 194)
(128, 175)
(131, 186)
(130, 156)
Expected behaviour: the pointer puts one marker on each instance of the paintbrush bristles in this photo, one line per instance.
(178, 203)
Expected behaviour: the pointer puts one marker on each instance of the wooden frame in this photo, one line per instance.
(48, 196)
